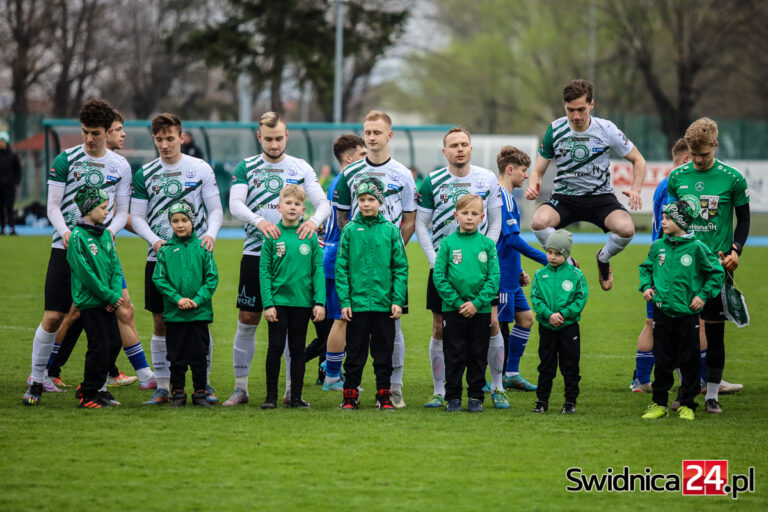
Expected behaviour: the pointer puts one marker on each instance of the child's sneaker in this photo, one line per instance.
(568, 408)
(179, 398)
(350, 399)
(517, 382)
(487, 387)
(150, 384)
(79, 391)
(397, 398)
(210, 395)
(655, 412)
(320, 374)
(269, 403)
(298, 403)
(200, 398)
(383, 402)
(106, 396)
(58, 382)
(48, 385)
(637, 387)
(436, 402)
(453, 405)
(238, 396)
(33, 394)
(121, 380)
(161, 396)
(475, 405)
(337, 385)
(92, 403)
(540, 408)
(685, 413)
(713, 406)
(499, 399)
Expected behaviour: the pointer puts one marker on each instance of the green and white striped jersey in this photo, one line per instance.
(440, 191)
(74, 169)
(265, 180)
(399, 188)
(582, 158)
(160, 185)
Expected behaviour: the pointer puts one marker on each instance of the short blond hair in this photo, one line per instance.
(680, 148)
(269, 119)
(510, 155)
(701, 133)
(294, 191)
(469, 200)
(375, 115)
(457, 129)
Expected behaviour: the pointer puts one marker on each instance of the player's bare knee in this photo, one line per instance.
(125, 313)
(437, 327)
(159, 325)
(524, 319)
(249, 317)
(52, 320)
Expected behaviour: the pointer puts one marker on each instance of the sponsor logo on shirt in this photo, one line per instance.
(456, 256)
(94, 249)
(280, 249)
(662, 257)
(112, 178)
(292, 180)
(190, 183)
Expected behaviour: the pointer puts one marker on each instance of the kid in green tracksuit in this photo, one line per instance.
(186, 276)
(292, 291)
(371, 281)
(680, 274)
(466, 276)
(97, 288)
(558, 296)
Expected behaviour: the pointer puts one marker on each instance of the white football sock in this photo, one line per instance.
(543, 235)
(614, 246)
(160, 364)
(496, 361)
(713, 388)
(144, 374)
(398, 359)
(243, 349)
(42, 345)
(437, 361)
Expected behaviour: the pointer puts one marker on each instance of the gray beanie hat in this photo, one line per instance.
(561, 241)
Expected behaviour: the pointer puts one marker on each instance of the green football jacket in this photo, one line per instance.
(291, 270)
(467, 269)
(371, 266)
(186, 270)
(679, 269)
(96, 277)
(560, 289)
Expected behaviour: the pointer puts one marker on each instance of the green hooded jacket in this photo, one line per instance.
(467, 269)
(560, 289)
(186, 270)
(97, 280)
(371, 266)
(679, 269)
(291, 270)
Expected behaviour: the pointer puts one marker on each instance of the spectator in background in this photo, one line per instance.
(188, 146)
(10, 179)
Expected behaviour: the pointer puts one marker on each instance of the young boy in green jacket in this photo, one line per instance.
(558, 296)
(371, 281)
(186, 276)
(466, 276)
(97, 288)
(680, 274)
(292, 292)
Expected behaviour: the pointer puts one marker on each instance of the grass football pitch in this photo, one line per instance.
(57, 457)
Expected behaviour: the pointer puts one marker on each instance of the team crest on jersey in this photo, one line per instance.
(304, 249)
(662, 257)
(190, 174)
(482, 256)
(456, 256)
(94, 249)
(567, 285)
(686, 260)
(709, 206)
(280, 249)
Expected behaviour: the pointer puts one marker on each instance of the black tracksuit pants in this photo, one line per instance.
(563, 346)
(293, 322)
(465, 346)
(374, 331)
(187, 346)
(103, 343)
(676, 345)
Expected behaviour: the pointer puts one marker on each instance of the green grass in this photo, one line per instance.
(56, 457)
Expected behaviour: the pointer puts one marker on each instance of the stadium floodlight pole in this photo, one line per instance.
(339, 61)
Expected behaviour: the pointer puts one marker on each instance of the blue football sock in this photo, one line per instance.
(54, 352)
(333, 362)
(518, 339)
(644, 366)
(135, 354)
(703, 375)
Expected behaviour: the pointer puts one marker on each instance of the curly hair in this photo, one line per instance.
(510, 155)
(97, 112)
(575, 89)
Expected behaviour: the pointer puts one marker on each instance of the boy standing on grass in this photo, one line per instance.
(371, 280)
(292, 290)
(186, 276)
(679, 276)
(558, 296)
(466, 276)
(97, 287)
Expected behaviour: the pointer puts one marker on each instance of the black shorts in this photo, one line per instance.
(435, 302)
(153, 299)
(58, 282)
(249, 289)
(713, 309)
(592, 209)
